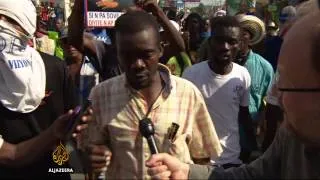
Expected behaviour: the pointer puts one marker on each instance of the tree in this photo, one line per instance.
(201, 9)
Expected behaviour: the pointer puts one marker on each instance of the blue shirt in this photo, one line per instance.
(261, 73)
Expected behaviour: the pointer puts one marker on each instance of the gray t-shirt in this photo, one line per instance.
(286, 158)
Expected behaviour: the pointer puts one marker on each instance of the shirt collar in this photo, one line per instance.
(86, 59)
(249, 57)
(165, 76)
(250, 53)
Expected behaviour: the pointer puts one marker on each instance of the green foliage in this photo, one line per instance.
(201, 9)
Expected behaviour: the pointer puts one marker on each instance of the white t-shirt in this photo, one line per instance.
(223, 95)
(89, 77)
(273, 93)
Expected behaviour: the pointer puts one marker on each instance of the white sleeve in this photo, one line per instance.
(244, 101)
(273, 94)
(187, 73)
(1, 141)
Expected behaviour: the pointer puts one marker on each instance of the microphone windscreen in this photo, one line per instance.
(146, 127)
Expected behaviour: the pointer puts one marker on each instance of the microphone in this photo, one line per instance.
(147, 130)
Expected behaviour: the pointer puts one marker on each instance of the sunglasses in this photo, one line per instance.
(298, 90)
(310, 90)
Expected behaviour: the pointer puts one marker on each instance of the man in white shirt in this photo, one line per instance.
(225, 87)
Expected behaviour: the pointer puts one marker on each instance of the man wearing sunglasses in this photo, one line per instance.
(295, 152)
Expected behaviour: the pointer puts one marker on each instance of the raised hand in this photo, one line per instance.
(107, 4)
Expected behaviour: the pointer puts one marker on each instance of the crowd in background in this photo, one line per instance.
(216, 77)
(50, 13)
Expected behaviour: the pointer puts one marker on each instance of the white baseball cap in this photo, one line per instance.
(21, 11)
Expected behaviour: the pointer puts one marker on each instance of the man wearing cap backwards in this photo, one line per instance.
(31, 100)
(225, 86)
(260, 71)
(295, 152)
(287, 16)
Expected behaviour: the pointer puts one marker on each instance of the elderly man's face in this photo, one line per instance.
(299, 71)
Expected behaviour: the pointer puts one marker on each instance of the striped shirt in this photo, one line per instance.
(118, 109)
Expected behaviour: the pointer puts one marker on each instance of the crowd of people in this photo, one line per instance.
(49, 13)
(216, 92)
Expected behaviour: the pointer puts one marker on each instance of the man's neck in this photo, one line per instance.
(247, 51)
(220, 69)
(152, 92)
(245, 57)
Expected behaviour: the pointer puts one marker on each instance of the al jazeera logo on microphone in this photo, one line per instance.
(60, 156)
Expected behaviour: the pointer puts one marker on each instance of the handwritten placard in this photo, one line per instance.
(104, 13)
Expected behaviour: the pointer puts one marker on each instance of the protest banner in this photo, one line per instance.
(104, 13)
